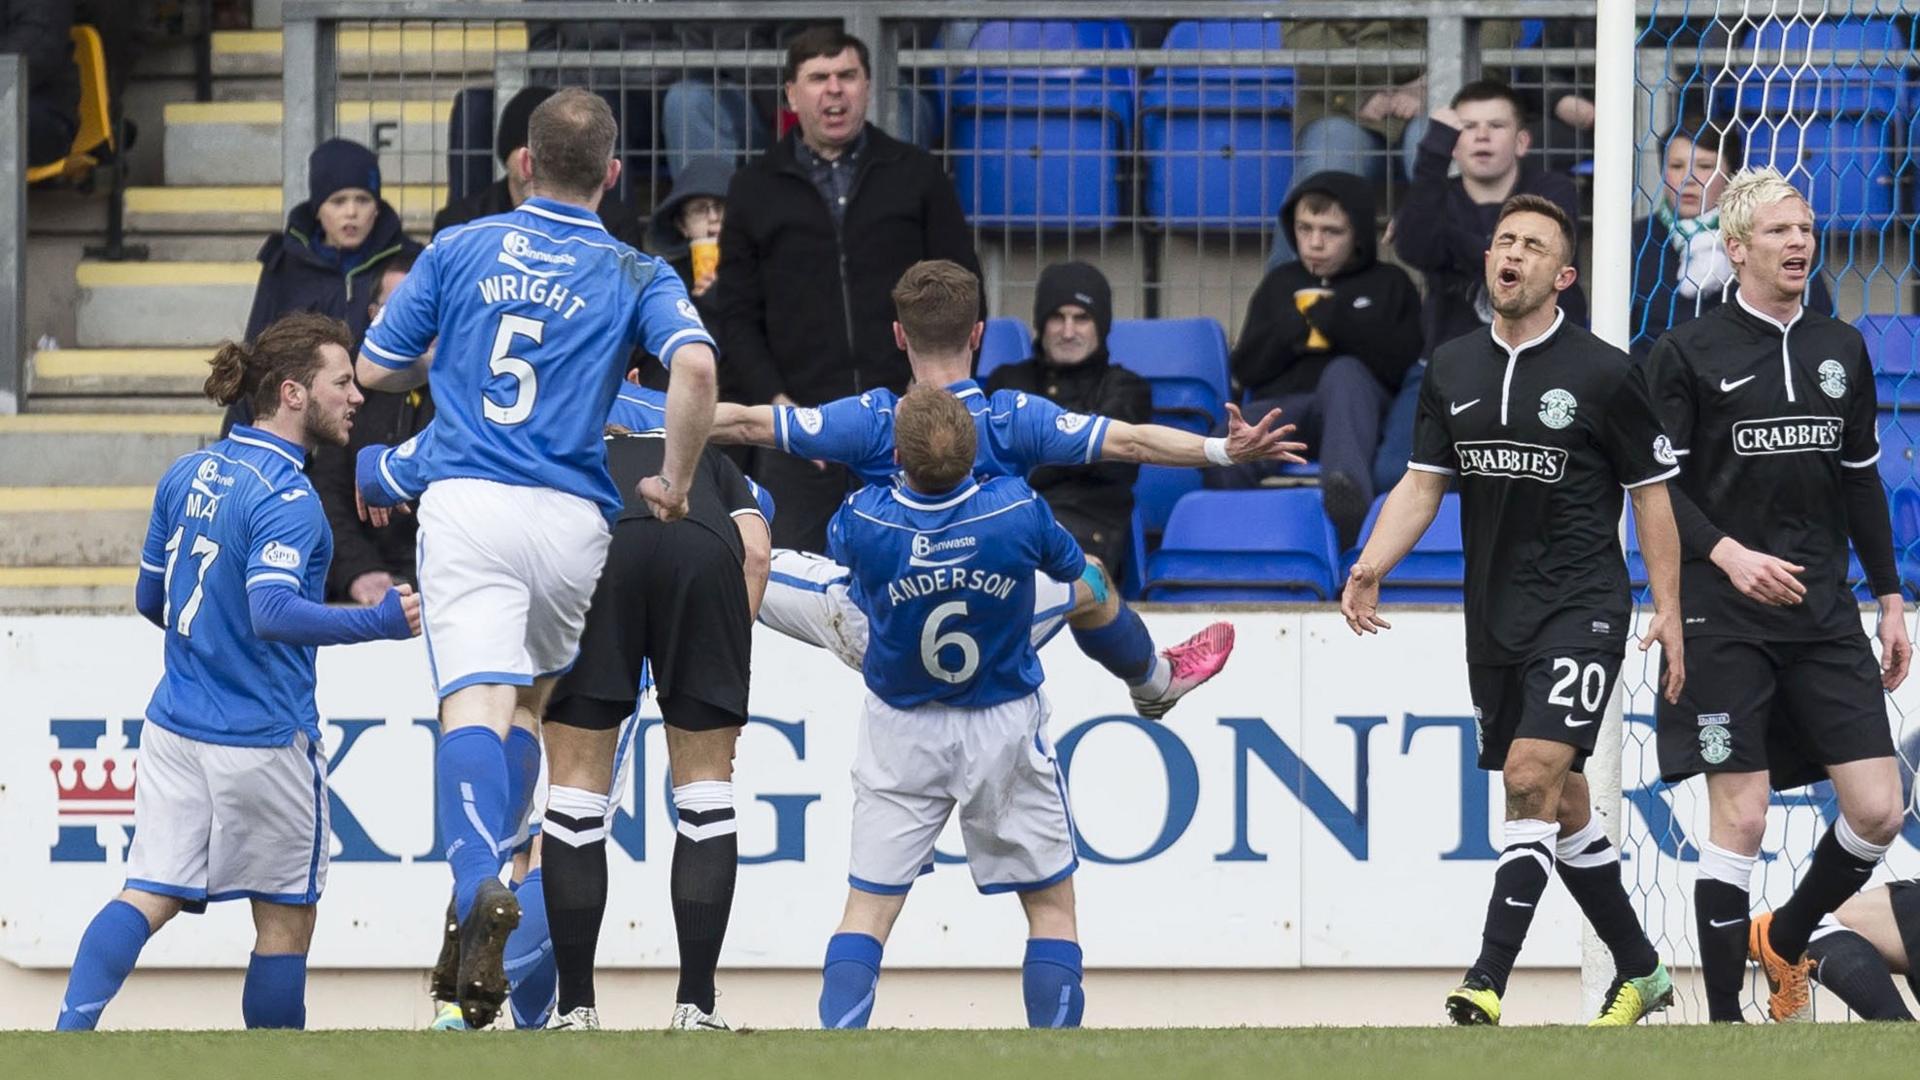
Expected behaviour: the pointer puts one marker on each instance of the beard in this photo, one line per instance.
(1523, 301)
(329, 431)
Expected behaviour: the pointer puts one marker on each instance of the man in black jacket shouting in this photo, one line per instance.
(1328, 339)
(817, 232)
(1072, 314)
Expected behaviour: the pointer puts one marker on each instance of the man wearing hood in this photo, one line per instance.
(1072, 313)
(1329, 338)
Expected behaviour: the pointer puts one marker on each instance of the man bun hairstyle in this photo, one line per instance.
(288, 349)
(571, 136)
(937, 302)
(1545, 207)
(1746, 194)
(935, 437)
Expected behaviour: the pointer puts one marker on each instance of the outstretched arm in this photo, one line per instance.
(1409, 509)
(742, 425)
(1156, 444)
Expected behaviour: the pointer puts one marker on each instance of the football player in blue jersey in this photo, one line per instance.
(530, 316)
(231, 802)
(938, 304)
(943, 564)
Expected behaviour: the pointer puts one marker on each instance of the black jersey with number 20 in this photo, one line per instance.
(1544, 436)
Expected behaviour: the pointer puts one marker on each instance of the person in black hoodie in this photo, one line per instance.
(37, 31)
(1072, 313)
(1329, 338)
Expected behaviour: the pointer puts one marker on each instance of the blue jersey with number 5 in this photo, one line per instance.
(946, 582)
(235, 516)
(531, 315)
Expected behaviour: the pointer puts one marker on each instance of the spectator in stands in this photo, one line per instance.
(1680, 267)
(1444, 224)
(1072, 314)
(817, 232)
(334, 249)
(691, 216)
(38, 32)
(505, 193)
(369, 560)
(1328, 339)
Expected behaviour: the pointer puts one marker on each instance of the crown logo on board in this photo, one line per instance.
(91, 792)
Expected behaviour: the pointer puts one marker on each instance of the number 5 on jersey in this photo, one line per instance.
(503, 363)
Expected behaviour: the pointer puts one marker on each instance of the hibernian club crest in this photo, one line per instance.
(1833, 378)
(1556, 409)
(1716, 744)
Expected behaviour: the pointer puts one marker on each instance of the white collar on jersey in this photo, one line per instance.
(908, 497)
(554, 210)
(1783, 327)
(267, 440)
(1559, 316)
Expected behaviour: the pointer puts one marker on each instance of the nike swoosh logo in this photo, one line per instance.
(1571, 722)
(1722, 924)
(1511, 902)
(1458, 409)
(1728, 387)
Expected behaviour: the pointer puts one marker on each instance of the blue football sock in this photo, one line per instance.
(523, 774)
(470, 783)
(275, 993)
(1123, 646)
(107, 953)
(849, 978)
(529, 958)
(1051, 979)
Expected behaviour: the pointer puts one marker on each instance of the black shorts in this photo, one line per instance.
(1559, 695)
(672, 597)
(1790, 709)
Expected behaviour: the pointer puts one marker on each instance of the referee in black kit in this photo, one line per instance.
(1544, 425)
(679, 599)
(1772, 408)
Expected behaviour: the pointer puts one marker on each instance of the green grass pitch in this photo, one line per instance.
(1849, 1051)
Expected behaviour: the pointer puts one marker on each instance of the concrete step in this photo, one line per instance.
(48, 589)
(380, 48)
(165, 375)
(397, 87)
(38, 450)
(73, 526)
(238, 142)
(255, 210)
(162, 304)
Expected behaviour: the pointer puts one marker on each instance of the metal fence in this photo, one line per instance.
(13, 233)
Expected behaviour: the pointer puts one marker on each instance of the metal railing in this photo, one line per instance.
(13, 234)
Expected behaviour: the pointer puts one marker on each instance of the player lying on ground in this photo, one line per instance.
(1859, 948)
(231, 800)
(534, 312)
(1771, 408)
(954, 718)
(1543, 424)
(937, 303)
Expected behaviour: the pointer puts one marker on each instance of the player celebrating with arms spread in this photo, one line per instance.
(535, 312)
(943, 565)
(1772, 408)
(232, 800)
(1544, 424)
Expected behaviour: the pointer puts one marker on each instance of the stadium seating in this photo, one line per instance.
(1900, 447)
(1006, 341)
(1891, 341)
(1185, 360)
(1155, 492)
(1778, 84)
(1434, 571)
(95, 138)
(1244, 545)
(1042, 147)
(1217, 142)
(1844, 164)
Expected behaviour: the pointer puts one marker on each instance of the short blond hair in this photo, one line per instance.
(934, 434)
(1746, 193)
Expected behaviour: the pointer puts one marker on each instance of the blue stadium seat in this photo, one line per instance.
(1844, 164)
(1185, 360)
(1244, 545)
(1155, 492)
(1217, 141)
(1777, 84)
(1905, 507)
(1434, 571)
(1006, 341)
(1042, 146)
(1900, 448)
(1894, 343)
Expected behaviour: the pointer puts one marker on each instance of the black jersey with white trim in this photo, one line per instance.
(1544, 437)
(720, 492)
(1767, 418)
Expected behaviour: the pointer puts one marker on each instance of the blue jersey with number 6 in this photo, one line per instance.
(946, 582)
(531, 315)
(235, 516)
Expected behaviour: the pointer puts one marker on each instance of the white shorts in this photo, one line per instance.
(914, 767)
(506, 574)
(806, 599)
(215, 822)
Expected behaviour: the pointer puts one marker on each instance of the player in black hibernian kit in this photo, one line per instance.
(1772, 408)
(1543, 435)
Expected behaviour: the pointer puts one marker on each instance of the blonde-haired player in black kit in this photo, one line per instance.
(1771, 407)
(1543, 424)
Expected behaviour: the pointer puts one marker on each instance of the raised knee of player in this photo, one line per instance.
(1096, 599)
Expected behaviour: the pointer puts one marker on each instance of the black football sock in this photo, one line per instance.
(1849, 965)
(1721, 920)
(1906, 916)
(573, 868)
(1842, 863)
(706, 859)
(1590, 867)
(1519, 881)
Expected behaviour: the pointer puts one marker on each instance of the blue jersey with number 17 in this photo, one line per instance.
(531, 315)
(1018, 432)
(946, 582)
